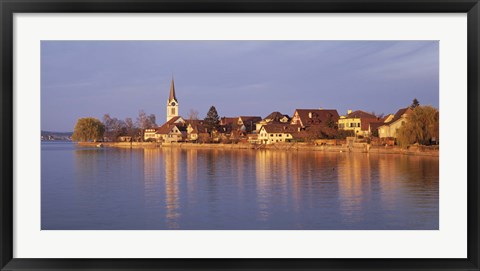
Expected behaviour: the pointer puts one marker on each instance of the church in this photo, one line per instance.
(175, 129)
(172, 103)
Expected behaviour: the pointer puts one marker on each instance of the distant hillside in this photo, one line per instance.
(47, 133)
(53, 136)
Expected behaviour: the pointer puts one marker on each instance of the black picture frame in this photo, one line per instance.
(9, 7)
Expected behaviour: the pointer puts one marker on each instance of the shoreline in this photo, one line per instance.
(355, 148)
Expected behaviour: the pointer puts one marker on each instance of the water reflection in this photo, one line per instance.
(173, 188)
(172, 201)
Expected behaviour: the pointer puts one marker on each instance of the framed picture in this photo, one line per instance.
(239, 135)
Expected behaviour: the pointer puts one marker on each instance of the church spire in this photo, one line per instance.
(172, 103)
(172, 92)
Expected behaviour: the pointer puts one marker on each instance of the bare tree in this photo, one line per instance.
(144, 121)
(193, 114)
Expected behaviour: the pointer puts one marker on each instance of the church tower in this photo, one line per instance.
(172, 104)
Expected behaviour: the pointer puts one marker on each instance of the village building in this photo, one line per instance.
(392, 124)
(238, 126)
(195, 128)
(321, 117)
(277, 133)
(175, 128)
(176, 132)
(358, 122)
(274, 118)
(227, 125)
(150, 134)
(248, 123)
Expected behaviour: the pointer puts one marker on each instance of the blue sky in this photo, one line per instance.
(91, 78)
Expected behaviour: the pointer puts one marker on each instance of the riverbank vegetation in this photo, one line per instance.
(421, 127)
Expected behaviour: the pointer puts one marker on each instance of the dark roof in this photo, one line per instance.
(167, 126)
(374, 125)
(253, 119)
(173, 120)
(228, 120)
(172, 92)
(361, 115)
(281, 128)
(194, 122)
(198, 128)
(399, 114)
(276, 116)
(318, 116)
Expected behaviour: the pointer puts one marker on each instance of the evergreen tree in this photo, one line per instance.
(212, 120)
(414, 104)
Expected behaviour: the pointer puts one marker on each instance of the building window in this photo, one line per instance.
(173, 111)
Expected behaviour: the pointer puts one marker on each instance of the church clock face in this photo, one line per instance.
(173, 103)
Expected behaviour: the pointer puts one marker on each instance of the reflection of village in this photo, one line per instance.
(319, 126)
(269, 179)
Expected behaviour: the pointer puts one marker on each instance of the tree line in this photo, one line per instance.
(111, 128)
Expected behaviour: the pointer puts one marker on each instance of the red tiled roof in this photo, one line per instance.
(318, 116)
(281, 128)
(253, 119)
(361, 114)
(399, 114)
(276, 116)
(374, 125)
(228, 120)
(167, 126)
(173, 120)
(165, 129)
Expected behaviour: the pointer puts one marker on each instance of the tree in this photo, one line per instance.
(212, 120)
(415, 103)
(144, 121)
(88, 129)
(113, 127)
(421, 126)
(193, 114)
(152, 121)
(130, 128)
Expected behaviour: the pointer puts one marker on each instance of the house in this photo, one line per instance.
(194, 129)
(172, 133)
(277, 133)
(174, 130)
(321, 117)
(389, 128)
(228, 120)
(149, 134)
(166, 132)
(248, 123)
(357, 121)
(274, 118)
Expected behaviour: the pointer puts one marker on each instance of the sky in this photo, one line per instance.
(240, 78)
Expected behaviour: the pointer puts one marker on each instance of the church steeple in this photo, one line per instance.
(172, 103)
(172, 92)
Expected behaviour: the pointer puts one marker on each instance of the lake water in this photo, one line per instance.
(193, 189)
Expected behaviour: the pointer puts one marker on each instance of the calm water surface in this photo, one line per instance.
(109, 188)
